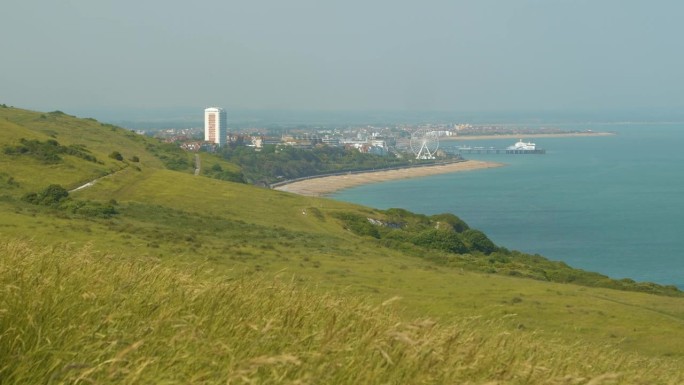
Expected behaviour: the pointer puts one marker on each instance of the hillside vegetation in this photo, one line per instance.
(75, 316)
(155, 273)
(270, 165)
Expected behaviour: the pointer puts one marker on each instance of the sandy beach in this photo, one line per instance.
(327, 185)
(330, 184)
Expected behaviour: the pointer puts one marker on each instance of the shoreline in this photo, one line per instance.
(327, 185)
(323, 186)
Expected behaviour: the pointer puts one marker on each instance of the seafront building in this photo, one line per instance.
(215, 125)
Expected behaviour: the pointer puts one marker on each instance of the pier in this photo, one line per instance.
(493, 150)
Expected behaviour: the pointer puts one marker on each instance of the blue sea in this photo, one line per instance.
(610, 204)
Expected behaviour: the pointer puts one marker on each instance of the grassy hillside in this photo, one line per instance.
(76, 316)
(167, 236)
(30, 170)
(37, 150)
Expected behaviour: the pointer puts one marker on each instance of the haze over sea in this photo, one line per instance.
(611, 204)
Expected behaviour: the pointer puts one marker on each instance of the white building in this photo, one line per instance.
(215, 125)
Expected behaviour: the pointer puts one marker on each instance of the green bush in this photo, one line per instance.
(477, 241)
(440, 240)
(90, 209)
(116, 155)
(456, 223)
(46, 152)
(52, 195)
(358, 224)
(49, 151)
(217, 172)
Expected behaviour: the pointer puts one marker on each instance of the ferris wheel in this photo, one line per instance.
(424, 143)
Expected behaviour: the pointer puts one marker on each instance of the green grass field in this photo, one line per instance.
(196, 280)
(80, 316)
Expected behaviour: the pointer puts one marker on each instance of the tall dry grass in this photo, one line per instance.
(80, 317)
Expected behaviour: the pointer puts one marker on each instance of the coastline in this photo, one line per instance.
(330, 184)
(518, 136)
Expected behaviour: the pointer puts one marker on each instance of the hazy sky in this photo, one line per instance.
(478, 55)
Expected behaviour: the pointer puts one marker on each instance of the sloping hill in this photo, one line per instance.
(71, 316)
(36, 149)
(144, 210)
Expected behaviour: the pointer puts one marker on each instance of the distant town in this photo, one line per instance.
(371, 139)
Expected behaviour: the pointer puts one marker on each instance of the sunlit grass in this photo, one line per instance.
(202, 281)
(77, 316)
(97, 138)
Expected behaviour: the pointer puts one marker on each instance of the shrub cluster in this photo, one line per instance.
(50, 196)
(57, 197)
(358, 224)
(48, 151)
(116, 155)
(217, 172)
(443, 232)
(173, 157)
(447, 240)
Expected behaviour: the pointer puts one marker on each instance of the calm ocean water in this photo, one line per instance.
(609, 204)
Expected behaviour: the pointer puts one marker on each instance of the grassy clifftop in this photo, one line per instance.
(181, 251)
(77, 316)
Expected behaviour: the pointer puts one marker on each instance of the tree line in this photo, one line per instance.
(272, 163)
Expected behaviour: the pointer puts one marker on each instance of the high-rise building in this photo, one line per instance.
(215, 125)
